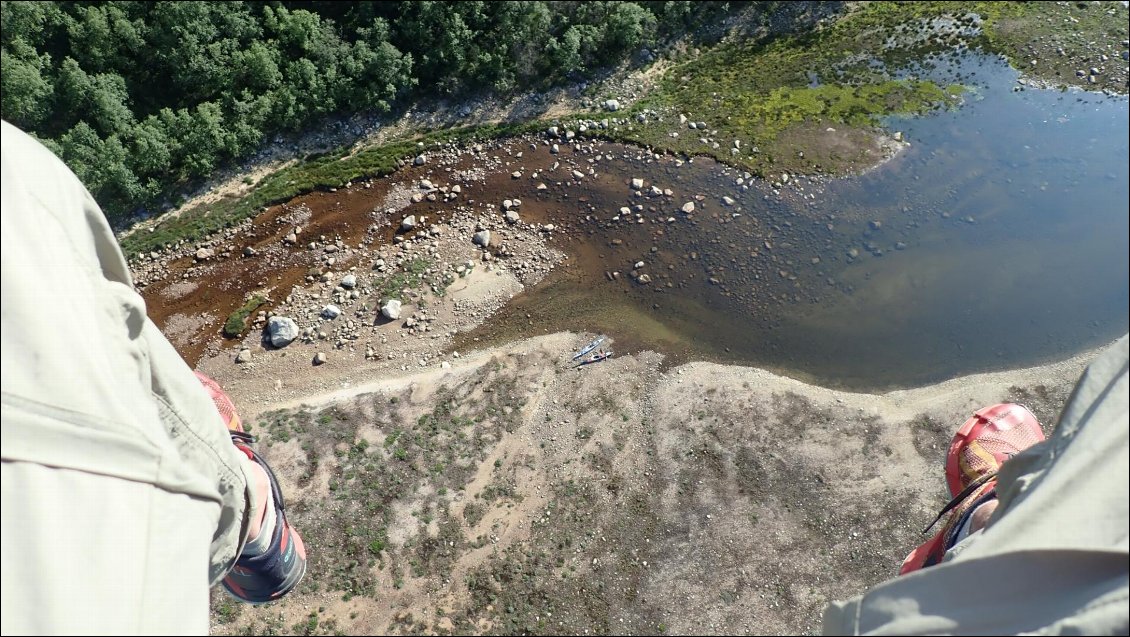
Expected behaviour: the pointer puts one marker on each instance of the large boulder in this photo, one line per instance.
(282, 330)
(391, 310)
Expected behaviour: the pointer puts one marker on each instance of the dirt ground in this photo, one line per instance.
(513, 492)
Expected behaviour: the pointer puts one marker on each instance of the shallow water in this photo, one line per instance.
(1001, 241)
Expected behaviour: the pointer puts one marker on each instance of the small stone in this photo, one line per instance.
(511, 217)
(875, 224)
(331, 311)
(426, 184)
(578, 174)
(612, 105)
(244, 356)
(409, 223)
(456, 189)
(643, 279)
(637, 184)
(248, 251)
(688, 207)
(320, 358)
(481, 238)
(727, 200)
(420, 160)
(517, 174)
(349, 281)
(204, 254)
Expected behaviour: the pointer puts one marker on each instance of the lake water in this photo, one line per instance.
(998, 239)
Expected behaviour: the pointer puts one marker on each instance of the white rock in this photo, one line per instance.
(481, 238)
(282, 330)
(331, 311)
(319, 358)
(727, 200)
(612, 105)
(391, 309)
(244, 356)
(420, 160)
(349, 281)
(408, 223)
(688, 207)
(512, 217)
(637, 184)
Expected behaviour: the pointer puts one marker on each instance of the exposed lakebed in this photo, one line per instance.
(997, 239)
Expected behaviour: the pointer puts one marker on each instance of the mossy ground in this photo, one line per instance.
(769, 94)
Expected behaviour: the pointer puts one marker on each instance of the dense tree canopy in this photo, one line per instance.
(140, 98)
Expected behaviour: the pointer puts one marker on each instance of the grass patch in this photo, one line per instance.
(777, 95)
(409, 277)
(236, 324)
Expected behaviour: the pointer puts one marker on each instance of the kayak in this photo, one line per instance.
(590, 347)
(596, 358)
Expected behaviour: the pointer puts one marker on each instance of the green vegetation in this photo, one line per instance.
(409, 277)
(237, 320)
(142, 99)
(777, 95)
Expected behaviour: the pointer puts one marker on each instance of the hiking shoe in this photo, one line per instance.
(269, 575)
(265, 577)
(976, 453)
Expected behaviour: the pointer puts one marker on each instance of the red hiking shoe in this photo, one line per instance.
(976, 453)
(269, 575)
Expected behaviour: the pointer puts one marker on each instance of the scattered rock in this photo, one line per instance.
(727, 200)
(331, 311)
(875, 224)
(578, 174)
(244, 356)
(643, 279)
(517, 174)
(408, 224)
(420, 160)
(511, 217)
(391, 310)
(612, 105)
(688, 207)
(507, 204)
(248, 251)
(282, 331)
(320, 358)
(291, 238)
(204, 254)
(481, 238)
(349, 281)
(637, 184)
